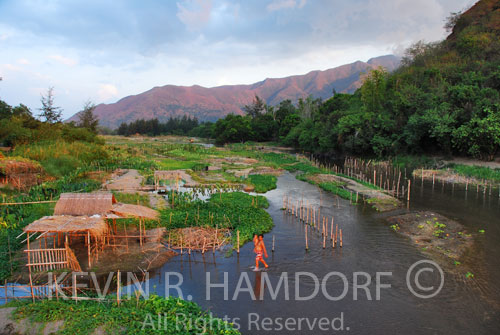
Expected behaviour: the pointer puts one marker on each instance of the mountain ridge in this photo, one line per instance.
(210, 104)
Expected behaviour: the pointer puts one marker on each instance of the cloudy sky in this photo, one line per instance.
(104, 50)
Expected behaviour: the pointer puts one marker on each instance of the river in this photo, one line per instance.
(462, 306)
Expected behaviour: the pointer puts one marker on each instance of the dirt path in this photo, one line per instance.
(125, 181)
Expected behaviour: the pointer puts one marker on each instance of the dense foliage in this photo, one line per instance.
(18, 126)
(153, 127)
(443, 99)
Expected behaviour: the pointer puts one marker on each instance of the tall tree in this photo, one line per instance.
(257, 107)
(87, 117)
(49, 112)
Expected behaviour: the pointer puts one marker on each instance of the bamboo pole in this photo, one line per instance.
(331, 230)
(88, 248)
(409, 184)
(238, 241)
(307, 244)
(29, 269)
(27, 203)
(118, 278)
(273, 244)
(324, 239)
(341, 237)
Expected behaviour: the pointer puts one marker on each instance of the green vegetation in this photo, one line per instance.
(443, 99)
(132, 198)
(235, 210)
(262, 183)
(61, 158)
(336, 188)
(478, 172)
(153, 127)
(131, 317)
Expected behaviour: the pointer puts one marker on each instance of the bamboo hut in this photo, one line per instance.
(78, 215)
(81, 204)
(54, 229)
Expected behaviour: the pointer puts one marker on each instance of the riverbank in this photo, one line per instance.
(373, 195)
(154, 315)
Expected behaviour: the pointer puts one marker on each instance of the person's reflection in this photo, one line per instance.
(258, 285)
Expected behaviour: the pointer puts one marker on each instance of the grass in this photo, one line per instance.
(234, 210)
(131, 317)
(262, 183)
(132, 198)
(478, 172)
(61, 158)
(337, 189)
(411, 162)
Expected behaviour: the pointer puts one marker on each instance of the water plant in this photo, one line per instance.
(262, 183)
(233, 210)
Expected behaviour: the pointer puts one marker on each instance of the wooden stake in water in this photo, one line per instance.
(273, 244)
(336, 232)
(341, 238)
(409, 184)
(331, 230)
(238, 241)
(118, 279)
(307, 244)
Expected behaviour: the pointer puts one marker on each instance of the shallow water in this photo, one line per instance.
(463, 306)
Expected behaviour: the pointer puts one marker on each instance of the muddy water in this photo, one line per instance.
(370, 246)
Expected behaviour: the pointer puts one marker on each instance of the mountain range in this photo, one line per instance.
(210, 104)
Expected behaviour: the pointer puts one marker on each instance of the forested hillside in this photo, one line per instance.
(443, 99)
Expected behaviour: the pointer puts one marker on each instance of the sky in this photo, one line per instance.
(102, 50)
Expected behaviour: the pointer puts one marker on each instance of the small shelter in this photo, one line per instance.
(78, 215)
(76, 204)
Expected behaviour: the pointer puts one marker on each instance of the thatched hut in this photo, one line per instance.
(20, 173)
(78, 215)
(77, 204)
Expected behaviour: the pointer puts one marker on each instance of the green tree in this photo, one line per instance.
(233, 128)
(5, 110)
(87, 118)
(257, 107)
(480, 137)
(49, 111)
(22, 110)
(373, 90)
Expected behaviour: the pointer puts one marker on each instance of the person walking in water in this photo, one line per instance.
(260, 249)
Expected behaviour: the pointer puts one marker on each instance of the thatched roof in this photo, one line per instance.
(64, 224)
(127, 210)
(78, 204)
